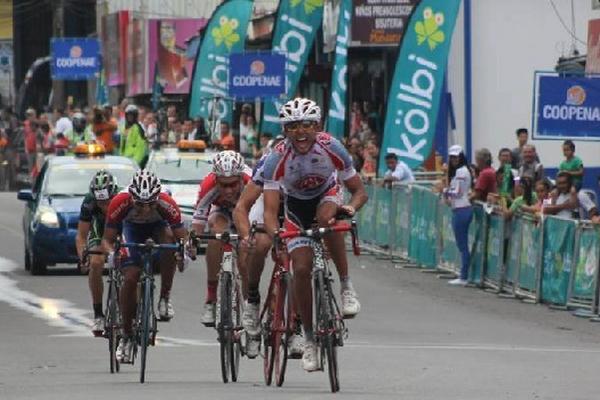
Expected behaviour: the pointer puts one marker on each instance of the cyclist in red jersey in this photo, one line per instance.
(219, 192)
(140, 213)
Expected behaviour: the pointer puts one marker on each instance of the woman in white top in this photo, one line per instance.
(457, 195)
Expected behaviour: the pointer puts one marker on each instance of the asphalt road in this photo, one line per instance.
(416, 338)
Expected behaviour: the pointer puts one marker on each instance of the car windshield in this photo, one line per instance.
(180, 169)
(74, 179)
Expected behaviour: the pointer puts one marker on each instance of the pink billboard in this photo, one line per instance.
(136, 56)
(172, 46)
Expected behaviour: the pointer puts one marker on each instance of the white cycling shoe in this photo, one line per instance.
(295, 346)
(250, 319)
(208, 317)
(252, 346)
(124, 350)
(350, 304)
(165, 309)
(98, 327)
(310, 358)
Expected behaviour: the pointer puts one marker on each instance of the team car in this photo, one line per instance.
(52, 206)
(181, 169)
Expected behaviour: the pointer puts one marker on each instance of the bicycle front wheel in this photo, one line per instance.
(224, 326)
(327, 327)
(112, 327)
(145, 326)
(282, 328)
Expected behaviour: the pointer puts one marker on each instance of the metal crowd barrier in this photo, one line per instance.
(550, 260)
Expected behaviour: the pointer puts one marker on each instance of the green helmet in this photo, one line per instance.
(103, 185)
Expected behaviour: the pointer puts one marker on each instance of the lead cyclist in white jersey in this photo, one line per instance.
(306, 167)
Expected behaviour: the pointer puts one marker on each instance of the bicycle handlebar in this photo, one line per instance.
(319, 233)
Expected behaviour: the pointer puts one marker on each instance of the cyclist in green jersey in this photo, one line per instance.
(90, 229)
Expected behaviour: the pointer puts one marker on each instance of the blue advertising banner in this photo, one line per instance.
(416, 90)
(254, 75)
(295, 30)
(567, 107)
(74, 58)
(339, 79)
(224, 34)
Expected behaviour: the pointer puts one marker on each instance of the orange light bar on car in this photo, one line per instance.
(191, 145)
(89, 149)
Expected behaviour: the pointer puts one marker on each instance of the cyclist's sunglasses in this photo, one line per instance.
(228, 185)
(142, 204)
(295, 126)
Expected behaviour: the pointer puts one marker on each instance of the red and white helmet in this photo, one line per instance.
(299, 109)
(145, 186)
(228, 163)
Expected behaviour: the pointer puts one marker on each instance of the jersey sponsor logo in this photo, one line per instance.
(121, 206)
(309, 182)
(169, 208)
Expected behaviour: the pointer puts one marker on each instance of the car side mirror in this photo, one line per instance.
(25, 195)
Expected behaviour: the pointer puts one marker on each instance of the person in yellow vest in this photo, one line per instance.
(78, 134)
(133, 139)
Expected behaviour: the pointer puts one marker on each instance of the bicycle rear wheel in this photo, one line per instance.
(224, 327)
(327, 327)
(282, 328)
(145, 327)
(269, 359)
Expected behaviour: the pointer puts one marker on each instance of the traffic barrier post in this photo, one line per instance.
(582, 295)
(558, 254)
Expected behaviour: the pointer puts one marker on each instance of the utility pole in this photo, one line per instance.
(58, 86)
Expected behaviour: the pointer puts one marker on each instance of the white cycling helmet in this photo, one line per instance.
(145, 186)
(228, 163)
(299, 109)
(131, 108)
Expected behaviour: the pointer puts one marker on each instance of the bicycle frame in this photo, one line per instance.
(229, 304)
(329, 325)
(145, 314)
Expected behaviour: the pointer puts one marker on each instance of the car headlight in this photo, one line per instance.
(47, 217)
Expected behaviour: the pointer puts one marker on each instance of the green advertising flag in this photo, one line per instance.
(339, 78)
(225, 34)
(415, 93)
(295, 29)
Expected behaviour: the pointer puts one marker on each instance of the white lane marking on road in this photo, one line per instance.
(469, 347)
(56, 312)
(62, 313)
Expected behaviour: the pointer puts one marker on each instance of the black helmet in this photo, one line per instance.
(103, 185)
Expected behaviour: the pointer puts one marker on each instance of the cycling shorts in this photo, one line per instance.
(138, 233)
(301, 214)
(94, 238)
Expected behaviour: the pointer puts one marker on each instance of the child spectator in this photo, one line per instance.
(370, 156)
(506, 175)
(527, 198)
(572, 164)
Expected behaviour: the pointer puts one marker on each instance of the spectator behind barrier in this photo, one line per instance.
(530, 166)
(563, 197)
(505, 176)
(486, 178)
(526, 198)
(572, 164)
(397, 170)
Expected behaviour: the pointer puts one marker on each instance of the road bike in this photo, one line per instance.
(330, 330)
(146, 321)
(277, 315)
(228, 321)
(112, 309)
